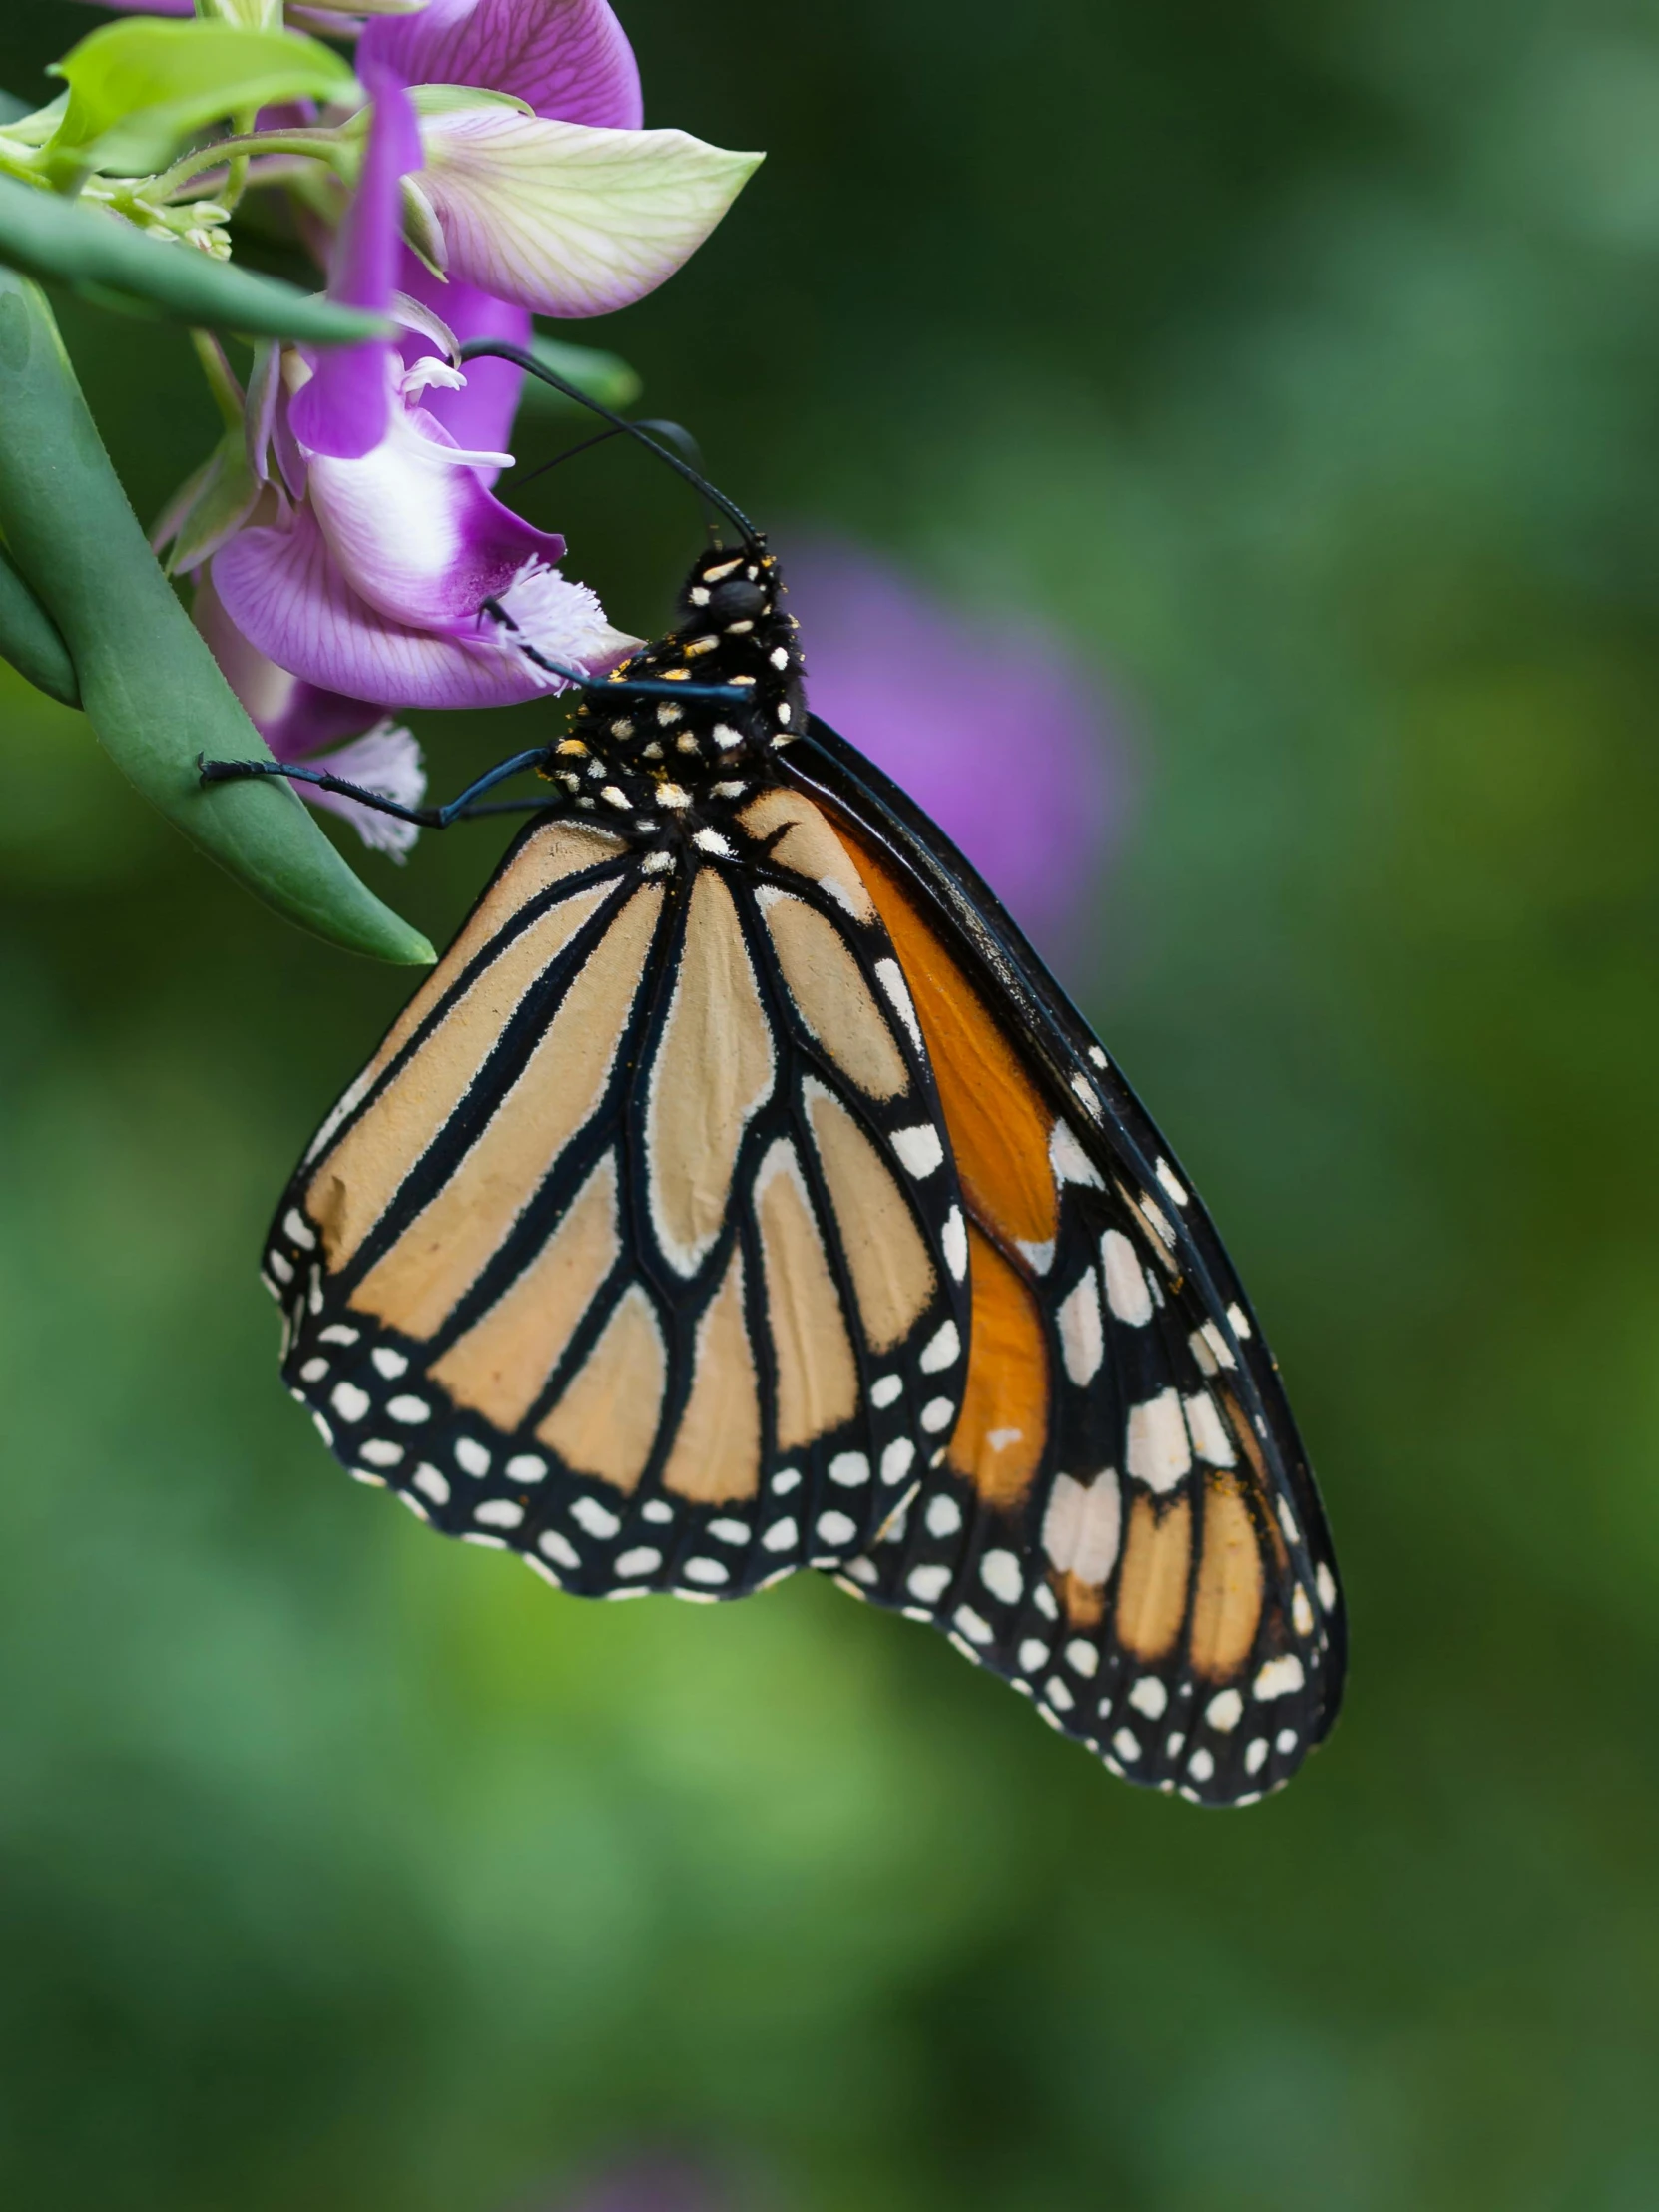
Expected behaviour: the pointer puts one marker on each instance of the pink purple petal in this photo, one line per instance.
(386, 760)
(343, 410)
(481, 416)
(286, 595)
(415, 532)
(570, 59)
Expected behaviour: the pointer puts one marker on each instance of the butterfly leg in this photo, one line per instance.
(429, 817)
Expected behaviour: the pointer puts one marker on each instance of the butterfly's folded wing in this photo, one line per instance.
(637, 1246)
(1124, 1524)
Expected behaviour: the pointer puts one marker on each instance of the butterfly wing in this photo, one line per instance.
(636, 1247)
(1124, 1525)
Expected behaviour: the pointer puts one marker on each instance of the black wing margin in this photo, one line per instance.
(1157, 1574)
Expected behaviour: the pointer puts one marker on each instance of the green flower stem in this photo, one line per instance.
(58, 240)
(30, 639)
(148, 681)
(324, 145)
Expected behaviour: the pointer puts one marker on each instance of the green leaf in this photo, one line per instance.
(606, 378)
(138, 89)
(31, 641)
(78, 244)
(148, 681)
(222, 496)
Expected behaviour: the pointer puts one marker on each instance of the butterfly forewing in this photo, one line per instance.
(638, 1246)
(1123, 1525)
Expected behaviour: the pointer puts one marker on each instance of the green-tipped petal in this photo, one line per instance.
(566, 219)
(148, 681)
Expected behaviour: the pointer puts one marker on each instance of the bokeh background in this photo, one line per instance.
(1297, 363)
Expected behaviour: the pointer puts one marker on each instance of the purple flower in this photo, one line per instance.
(366, 568)
(505, 134)
(300, 723)
(990, 726)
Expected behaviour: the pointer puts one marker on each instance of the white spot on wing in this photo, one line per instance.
(500, 1512)
(943, 1516)
(1326, 1583)
(1001, 1572)
(1082, 1338)
(1071, 1164)
(890, 976)
(1239, 1321)
(1083, 1524)
(1209, 1439)
(928, 1583)
(1158, 1454)
(1224, 1711)
(1150, 1697)
(1278, 1678)
(348, 1401)
(1126, 1290)
(884, 1392)
(953, 1241)
(897, 1460)
(837, 1528)
(1171, 1182)
(849, 1469)
(597, 1519)
(941, 1351)
(783, 1535)
(643, 1559)
(919, 1149)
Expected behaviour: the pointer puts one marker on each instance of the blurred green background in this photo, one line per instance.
(1300, 359)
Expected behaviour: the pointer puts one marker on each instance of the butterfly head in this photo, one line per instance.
(731, 589)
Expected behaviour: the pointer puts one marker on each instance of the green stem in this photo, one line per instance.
(148, 681)
(323, 145)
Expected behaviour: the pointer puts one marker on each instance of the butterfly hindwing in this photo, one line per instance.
(1124, 1524)
(637, 1247)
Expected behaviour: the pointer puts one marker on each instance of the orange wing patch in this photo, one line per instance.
(999, 1125)
(1003, 1426)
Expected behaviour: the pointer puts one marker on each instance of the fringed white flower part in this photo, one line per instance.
(561, 621)
(385, 759)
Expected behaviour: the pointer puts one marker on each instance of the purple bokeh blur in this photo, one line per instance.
(652, 2183)
(992, 726)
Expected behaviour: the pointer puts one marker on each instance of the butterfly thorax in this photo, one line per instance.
(669, 773)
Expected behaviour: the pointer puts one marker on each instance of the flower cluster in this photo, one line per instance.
(345, 536)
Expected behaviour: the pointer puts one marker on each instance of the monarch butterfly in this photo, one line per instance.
(740, 1195)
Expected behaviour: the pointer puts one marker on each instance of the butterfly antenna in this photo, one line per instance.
(498, 349)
